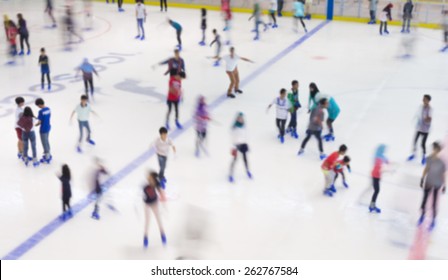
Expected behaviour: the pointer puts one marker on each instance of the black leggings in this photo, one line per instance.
(426, 192)
(317, 134)
(424, 138)
(242, 148)
(176, 109)
(163, 3)
(120, 3)
(381, 27)
(376, 188)
(281, 126)
(372, 15)
(179, 40)
(65, 204)
(301, 21)
(272, 14)
(88, 83)
(42, 79)
(24, 38)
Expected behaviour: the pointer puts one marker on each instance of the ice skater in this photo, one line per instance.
(88, 15)
(315, 127)
(201, 118)
(20, 102)
(176, 65)
(445, 29)
(308, 5)
(178, 29)
(120, 6)
(83, 111)
(162, 146)
(203, 26)
(140, 14)
(339, 169)
(273, 6)
(44, 118)
(44, 69)
(433, 179)
(27, 122)
(333, 109)
(99, 171)
(65, 178)
(163, 5)
(328, 169)
(231, 61)
(299, 15)
(227, 16)
(407, 16)
(217, 41)
(293, 98)
(24, 35)
(87, 70)
(12, 35)
(386, 14)
(424, 120)
(280, 7)
(282, 105)
(70, 28)
(174, 97)
(372, 10)
(239, 145)
(377, 171)
(49, 11)
(257, 15)
(153, 193)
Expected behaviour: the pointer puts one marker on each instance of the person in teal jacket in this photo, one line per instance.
(333, 109)
(178, 28)
(299, 14)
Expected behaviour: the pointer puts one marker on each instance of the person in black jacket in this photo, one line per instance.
(65, 178)
(407, 16)
(203, 26)
(24, 34)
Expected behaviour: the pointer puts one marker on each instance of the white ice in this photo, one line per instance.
(281, 213)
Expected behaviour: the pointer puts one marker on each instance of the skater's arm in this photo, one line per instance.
(246, 59)
(94, 113)
(71, 116)
(96, 73)
(425, 172)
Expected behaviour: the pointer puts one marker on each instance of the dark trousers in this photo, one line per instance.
(178, 34)
(163, 3)
(424, 138)
(243, 149)
(281, 126)
(88, 83)
(376, 190)
(372, 16)
(293, 120)
(279, 6)
(162, 165)
(317, 134)
(24, 38)
(42, 79)
(65, 204)
(176, 110)
(406, 24)
(272, 14)
(120, 3)
(435, 191)
(381, 27)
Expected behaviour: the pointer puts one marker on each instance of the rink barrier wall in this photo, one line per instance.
(56, 223)
(285, 13)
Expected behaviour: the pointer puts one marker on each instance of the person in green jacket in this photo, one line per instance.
(293, 98)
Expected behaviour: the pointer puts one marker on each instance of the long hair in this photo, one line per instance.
(27, 112)
(66, 172)
(313, 90)
(155, 177)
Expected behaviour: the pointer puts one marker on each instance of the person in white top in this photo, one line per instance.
(20, 101)
(240, 145)
(140, 14)
(283, 105)
(83, 111)
(162, 146)
(231, 61)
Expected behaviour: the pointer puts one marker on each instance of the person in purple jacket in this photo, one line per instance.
(201, 117)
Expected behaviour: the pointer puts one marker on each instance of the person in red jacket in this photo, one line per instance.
(328, 169)
(339, 169)
(174, 96)
(12, 35)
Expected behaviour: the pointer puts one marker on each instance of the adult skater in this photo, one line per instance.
(424, 120)
(24, 35)
(44, 118)
(201, 118)
(328, 169)
(293, 98)
(333, 109)
(386, 14)
(87, 70)
(20, 102)
(140, 14)
(203, 26)
(380, 160)
(162, 146)
(217, 41)
(44, 69)
(282, 105)
(280, 7)
(163, 5)
(433, 179)
(231, 61)
(372, 10)
(178, 29)
(257, 15)
(315, 127)
(174, 97)
(27, 122)
(227, 16)
(273, 6)
(299, 15)
(407, 16)
(445, 29)
(152, 191)
(83, 111)
(176, 65)
(49, 11)
(65, 178)
(239, 145)
(99, 171)
(70, 28)
(88, 13)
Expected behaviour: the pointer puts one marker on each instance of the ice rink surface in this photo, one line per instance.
(281, 213)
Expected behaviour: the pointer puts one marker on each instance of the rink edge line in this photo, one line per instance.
(56, 223)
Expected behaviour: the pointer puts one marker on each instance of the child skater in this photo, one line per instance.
(20, 102)
(424, 117)
(385, 15)
(339, 169)
(152, 194)
(27, 122)
(203, 26)
(283, 105)
(240, 145)
(201, 118)
(65, 178)
(174, 96)
(315, 127)
(178, 29)
(273, 6)
(293, 98)
(328, 169)
(83, 111)
(44, 118)
(162, 145)
(98, 172)
(257, 15)
(377, 171)
(87, 70)
(217, 40)
(44, 69)
(433, 179)
(12, 35)
(299, 14)
(140, 14)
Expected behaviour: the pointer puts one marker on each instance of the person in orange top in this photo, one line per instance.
(339, 169)
(328, 169)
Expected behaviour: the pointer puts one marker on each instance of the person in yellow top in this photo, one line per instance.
(6, 24)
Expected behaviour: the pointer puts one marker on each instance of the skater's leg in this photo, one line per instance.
(86, 87)
(42, 80)
(318, 135)
(426, 192)
(232, 165)
(232, 82)
(330, 125)
(156, 211)
(33, 144)
(48, 78)
(91, 85)
(176, 109)
(434, 202)
(25, 138)
(162, 165)
(22, 38)
(147, 219)
(87, 125)
(385, 27)
(376, 188)
(179, 39)
(236, 74)
(282, 127)
(424, 138)
(303, 23)
(381, 27)
(277, 123)
(417, 135)
(81, 125)
(307, 138)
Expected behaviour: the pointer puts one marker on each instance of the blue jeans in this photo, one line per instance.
(86, 125)
(31, 136)
(162, 164)
(45, 142)
(140, 26)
